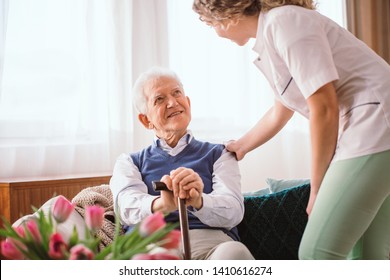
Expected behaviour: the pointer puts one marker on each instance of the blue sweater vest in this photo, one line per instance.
(153, 163)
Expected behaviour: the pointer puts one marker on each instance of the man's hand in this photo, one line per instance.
(187, 184)
(166, 202)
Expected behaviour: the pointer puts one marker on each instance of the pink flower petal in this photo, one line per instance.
(80, 252)
(33, 229)
(57, 246)
(172, 240)
(62, 209)
(10, 251)
(151, 224)
(94, 216)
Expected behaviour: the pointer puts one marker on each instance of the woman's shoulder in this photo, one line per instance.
(291, 12)
(289, 18)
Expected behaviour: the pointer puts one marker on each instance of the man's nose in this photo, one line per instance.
(172, 102)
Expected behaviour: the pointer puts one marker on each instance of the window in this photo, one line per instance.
(44, 71)
(63, 106)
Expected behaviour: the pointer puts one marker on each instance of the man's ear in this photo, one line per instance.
(145, 121)
(189, 101)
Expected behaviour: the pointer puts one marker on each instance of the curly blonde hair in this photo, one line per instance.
(226, 11)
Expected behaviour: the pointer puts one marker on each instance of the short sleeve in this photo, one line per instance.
(300, 40)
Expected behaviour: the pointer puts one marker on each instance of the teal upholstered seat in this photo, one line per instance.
(273, 224)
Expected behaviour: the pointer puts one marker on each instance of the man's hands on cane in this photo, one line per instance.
(182, 187)
(183, 183)
(186, 184)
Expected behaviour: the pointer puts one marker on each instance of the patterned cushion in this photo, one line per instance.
(273, 224)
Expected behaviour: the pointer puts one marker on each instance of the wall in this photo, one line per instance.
(286, 156)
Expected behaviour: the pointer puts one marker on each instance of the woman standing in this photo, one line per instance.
(323, 72)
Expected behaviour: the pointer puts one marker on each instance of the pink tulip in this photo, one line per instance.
(33, 229)
(94, 216)
(172, 240)
(18, 244)
(156, 256)
(151, 224)
(80, 252)
(62, 209)
(164, 256)
(20, 231)
(142, 257)
(10, 251)
(57, 246)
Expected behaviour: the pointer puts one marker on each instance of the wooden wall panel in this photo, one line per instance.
(18, 196)
(5, 209)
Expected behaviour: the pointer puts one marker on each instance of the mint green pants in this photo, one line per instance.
(351, 215)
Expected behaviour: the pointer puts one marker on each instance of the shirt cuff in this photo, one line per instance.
(207, 204)
(146, 205)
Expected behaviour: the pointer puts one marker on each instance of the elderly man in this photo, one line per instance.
(204, 174)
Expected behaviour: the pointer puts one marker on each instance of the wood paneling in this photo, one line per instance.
(18, 196)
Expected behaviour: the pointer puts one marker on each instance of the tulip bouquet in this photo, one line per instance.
(38, 238)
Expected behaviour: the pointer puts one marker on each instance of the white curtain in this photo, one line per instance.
(150, 47)
(3, 29)
(69, 66)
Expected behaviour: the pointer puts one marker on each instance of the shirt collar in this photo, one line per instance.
(184, 141)
(259, 43)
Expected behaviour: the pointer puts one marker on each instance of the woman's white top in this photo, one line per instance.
(301, 50)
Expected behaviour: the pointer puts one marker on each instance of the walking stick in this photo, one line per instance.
(183, 218)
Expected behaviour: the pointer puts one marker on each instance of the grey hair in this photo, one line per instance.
(138, 92)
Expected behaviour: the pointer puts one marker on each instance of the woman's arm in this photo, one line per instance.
(324, 120)
(266, 128)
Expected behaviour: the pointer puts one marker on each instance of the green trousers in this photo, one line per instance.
(351, 215)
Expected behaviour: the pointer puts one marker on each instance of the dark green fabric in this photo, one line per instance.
(273, 224)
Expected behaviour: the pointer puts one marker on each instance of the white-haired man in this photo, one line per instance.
(204, 174)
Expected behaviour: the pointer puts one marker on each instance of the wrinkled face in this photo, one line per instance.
(233, 32)
(168, 109)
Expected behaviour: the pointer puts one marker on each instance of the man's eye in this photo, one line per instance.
(177, 93)
(159, 100)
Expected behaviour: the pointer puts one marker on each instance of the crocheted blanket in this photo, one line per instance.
(102, 196)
